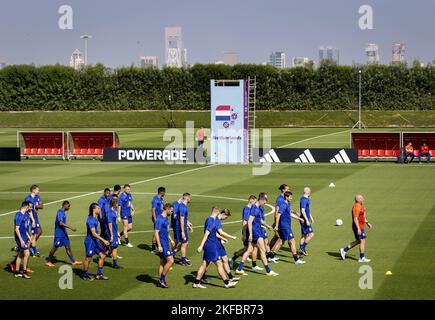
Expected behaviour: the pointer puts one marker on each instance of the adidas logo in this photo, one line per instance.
(270, 157)
(305, 157)
(340, 157)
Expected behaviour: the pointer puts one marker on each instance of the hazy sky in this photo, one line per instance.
(123, 30)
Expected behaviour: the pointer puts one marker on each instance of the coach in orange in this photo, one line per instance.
(424, 152)
(359, 220)
(409, 152)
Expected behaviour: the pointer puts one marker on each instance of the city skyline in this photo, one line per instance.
(121, 34)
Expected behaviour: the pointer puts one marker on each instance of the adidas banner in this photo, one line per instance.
(306, 155)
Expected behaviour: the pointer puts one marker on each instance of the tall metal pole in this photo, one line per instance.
(359, 101)
(86, 37)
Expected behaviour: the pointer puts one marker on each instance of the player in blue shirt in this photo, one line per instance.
(283, 227)
(112, 231)
(174, 217)
(182, 226)
(22, 225)
(279, 200)
(307, 232)
(103, 202)
(127, 211)
(245, 232)
(116, 192)
(37, 204)
(211, 253)
(93, 244)
(61, 238)
(157, 209)
(256, 236)
(164, 244)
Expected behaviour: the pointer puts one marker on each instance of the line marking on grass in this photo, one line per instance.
(170, 194)
(134, 183)
(312, 138)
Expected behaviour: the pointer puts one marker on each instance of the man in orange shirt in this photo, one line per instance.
(200, 136)
(424, 152)
(409, 152)
(359, 221)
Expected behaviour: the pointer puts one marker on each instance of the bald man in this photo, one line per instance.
(307, 232)
(359, 220)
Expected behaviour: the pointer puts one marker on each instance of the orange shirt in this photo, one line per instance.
(409, 149)
(424, 149)
(200, 134)
(358, 211)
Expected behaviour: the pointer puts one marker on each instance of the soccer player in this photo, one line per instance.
(256, 236)
(283, 226)
(22, 238)
(163, 239)
(424, 152)
(359, 220)
(127, 212)
(103, 202)
(37, 204)
(245, 234)
(182, 226)
(409, 152)
(307, 232)
(93, 244)
(279, 200)
(112, 231)
(61, 238)
(208, 245)
(156, 210)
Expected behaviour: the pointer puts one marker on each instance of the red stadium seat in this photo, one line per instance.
(432, 153)
(396, 152)
(381, 153)
(373, 153)
(388, 153)
(40, 151)
(56, 151)
(99, 151)
(90, 151)
(26, 151)
(365, 152)
(47, 151)
(359, 152)
(33, 151)
(83, 151)
(416, 153)
(76, 151)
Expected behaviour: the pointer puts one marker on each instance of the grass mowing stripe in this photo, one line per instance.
(313, 138)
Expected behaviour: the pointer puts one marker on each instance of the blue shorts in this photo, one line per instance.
(19, 247)
(210, 253)
(167, 252)
(221, 249)
(93, 247)
(127, 217)
(357, 236)
(306, 229)
(61, 242)
(286, 234)
(177, 235)
(264, 236)
(114, 244)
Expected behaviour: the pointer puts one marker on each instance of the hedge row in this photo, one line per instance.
(330, 87)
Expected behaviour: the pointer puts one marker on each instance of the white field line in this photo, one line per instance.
(170, 194)
(134, 183)
(312, 138)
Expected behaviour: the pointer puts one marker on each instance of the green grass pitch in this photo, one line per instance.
(400, 203)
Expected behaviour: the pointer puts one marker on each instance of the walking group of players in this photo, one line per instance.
(115, 207)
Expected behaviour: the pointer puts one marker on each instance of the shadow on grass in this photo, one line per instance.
(338, 256)
(145, 246)
(148, 279)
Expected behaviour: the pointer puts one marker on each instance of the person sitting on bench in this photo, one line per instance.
(409, 152)
(424, 152)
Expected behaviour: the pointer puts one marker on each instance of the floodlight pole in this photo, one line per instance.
(359, 124)
(86, 37)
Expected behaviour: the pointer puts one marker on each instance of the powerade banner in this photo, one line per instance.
(153, 155)
(229, 121)
(306, 155)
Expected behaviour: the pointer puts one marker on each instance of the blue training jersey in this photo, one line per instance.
(103, 202)
(162, 224)
(279, 200)
(183, 211)
(258, 219)
(59, 231)
(158, 203)
(218, 226)
(111, 217)
(91, 222)
(175, 205)
(210, 226)
(125, 200)
(305, 203)
(285, 219)
(22, 220)
(36, 201)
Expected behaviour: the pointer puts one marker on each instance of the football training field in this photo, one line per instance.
(400, 204)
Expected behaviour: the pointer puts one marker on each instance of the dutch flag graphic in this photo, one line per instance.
(223, 113)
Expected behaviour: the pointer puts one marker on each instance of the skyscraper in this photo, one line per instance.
(230, 58)
(398, 53)
(277, 59)
(330, 53)
(76, 60)
(372, 52)
(175, 53)
(148, 61)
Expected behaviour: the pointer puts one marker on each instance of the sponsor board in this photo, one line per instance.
(10, 154)
(152, 155)
(306, 155)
